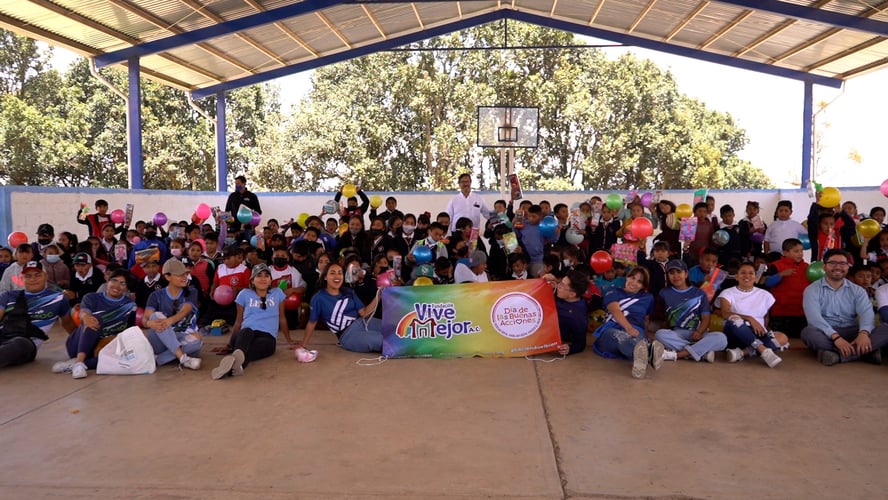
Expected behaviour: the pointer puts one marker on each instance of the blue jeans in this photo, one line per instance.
(616, 343)
(744, 336)
(362, 337)
(166, 343)
(679, 338)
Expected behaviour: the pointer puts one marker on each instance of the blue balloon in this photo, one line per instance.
(806, 242)
(254, 241)
(244, 215)
(547, 226)
(422, 254)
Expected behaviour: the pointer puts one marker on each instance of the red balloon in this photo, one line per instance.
(140, 314)
(642, 227)
(16, 238)
(75, 315)
(601, 261)
(292, 302)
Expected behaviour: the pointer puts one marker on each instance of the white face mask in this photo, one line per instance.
(501, 243)
(566, 262)
(408, 229)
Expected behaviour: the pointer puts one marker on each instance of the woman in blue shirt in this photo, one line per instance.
(260, 317)
(622, 336)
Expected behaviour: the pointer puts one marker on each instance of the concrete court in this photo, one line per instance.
(470, 428)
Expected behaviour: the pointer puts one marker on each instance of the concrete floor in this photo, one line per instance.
(470, 428)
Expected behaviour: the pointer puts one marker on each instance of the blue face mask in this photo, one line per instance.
(52, 258)
(238, 188)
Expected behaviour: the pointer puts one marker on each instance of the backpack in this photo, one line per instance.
(17, 322)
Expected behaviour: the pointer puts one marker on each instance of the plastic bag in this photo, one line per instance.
(129, 353)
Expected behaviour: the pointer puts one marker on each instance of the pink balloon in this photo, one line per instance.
(223, 295)
(646, 199)
(117, 216)
(642, 227)
(884, 187)
(203, 211)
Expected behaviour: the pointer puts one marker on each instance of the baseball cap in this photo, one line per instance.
(259, 268)
(46, 229)
(676, 264)
(82, 258)
(478, 258)
(174, 267)
(32, 266)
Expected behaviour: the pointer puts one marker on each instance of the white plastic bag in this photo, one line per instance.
(129, 353)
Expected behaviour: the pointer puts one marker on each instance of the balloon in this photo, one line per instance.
(117, 216)
(646, 199)
(159, 219)
(140, 315)
(642, 227)
(574, 237)
(376, 201)
(349, 190)
(815, 270)
(136, 240)
(330, 207)
(547, 226)
(423, 281)
(614, 201)
(830, 198)
(244, 215)
(806, 241)
(301, 218)
(673, 222)
(255, 219)
(684, 211)
(384, 280)
(343, 228)
(254, 241)
(601, 261)
(292, 302)
(16, 238)
(721, 238)
(304, 355)
(223, 295)
(868, 228)
(757, 237)
(884, 187)
(716, 323)
(203, 211)
(422, 254)
(75, 315)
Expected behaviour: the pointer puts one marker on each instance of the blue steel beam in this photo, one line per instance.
(134, 124)
(807, 133)
(819, 16)
(221, 144)
(215, 31)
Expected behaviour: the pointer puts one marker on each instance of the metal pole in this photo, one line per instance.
(221, 144)
(504, 181)
(134, 125)
(807, 133)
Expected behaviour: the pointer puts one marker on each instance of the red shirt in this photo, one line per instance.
(788, 293)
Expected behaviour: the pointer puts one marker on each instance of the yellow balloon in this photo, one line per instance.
(376, 201)
(868, 228)
(343, 228)
(302, 218)
(423, 281)
(830, 198)
(716, 323)
(349, 190)
(683, 211)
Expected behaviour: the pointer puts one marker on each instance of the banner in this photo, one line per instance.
(497, 319)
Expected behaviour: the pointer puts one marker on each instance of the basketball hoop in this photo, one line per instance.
(507, 128)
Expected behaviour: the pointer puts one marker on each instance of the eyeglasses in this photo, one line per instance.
(838, 263)
(262, 303)
(117, 282)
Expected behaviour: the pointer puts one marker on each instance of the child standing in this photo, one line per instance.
(783, 227)
(787, 280)
(533, 241)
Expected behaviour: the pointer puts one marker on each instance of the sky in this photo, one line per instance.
(769, 108)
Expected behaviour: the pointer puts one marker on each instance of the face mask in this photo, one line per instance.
(430, 240)
(176, 252)
(354, 232)
(52, 259)
(150, 235)
(279, 262)
(566, 262)
(375, 233)
(238, 188)
(44, 241)
(408, 229)
(501, 243)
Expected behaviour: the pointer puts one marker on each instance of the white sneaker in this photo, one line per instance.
(223, 369)
(734, 355)
(770, 358)
(709, 357)
(670, 355)
(237, 369)
(658, 353)
(78, 371)
(189, 362)
(64, 366)
(640, 359)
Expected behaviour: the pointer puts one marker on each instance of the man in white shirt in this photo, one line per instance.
(467, 204)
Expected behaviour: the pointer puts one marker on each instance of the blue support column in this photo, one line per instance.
(221, 144)
(134, 125)
(807, 133)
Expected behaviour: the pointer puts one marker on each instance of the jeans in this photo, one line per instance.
(254, 344)
(17, 351)
(816, 339)
(361, 337)
(166, 343)
(83, 340)
(616, 343)
(679, 338)
(744, 336)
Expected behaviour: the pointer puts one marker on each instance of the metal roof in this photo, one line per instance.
(208, 46)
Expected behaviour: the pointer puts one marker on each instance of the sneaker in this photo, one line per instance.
(827, 358)
(770, 358)
(64, 366)
(874, 357)
(670, 355)
(734, 355)
(658, 351)
(224, 368)
(189, 362)
(709, 357)
(238, 368)
(640, 359)
(79, 370)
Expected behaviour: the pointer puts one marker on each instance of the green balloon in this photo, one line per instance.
(815, 271)
(614, 202)
(283, 285)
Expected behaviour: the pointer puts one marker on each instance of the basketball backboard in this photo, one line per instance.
(508, 126)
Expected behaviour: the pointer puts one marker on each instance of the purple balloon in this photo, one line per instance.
(256, 218)
(160, 219)
(757, 237)
(646, 199)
